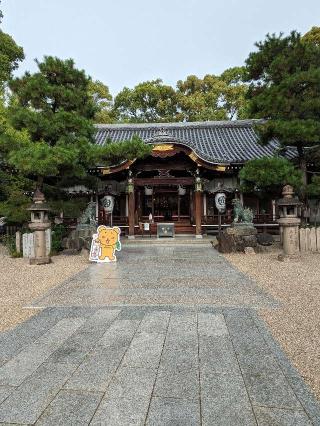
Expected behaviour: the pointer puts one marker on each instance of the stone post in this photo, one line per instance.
(289, 221)
(18, 242)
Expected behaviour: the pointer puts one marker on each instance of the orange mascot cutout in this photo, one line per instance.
(105, 243)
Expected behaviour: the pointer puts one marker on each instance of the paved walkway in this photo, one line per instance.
(167, 336)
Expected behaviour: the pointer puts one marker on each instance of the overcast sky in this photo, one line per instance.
(124, 42)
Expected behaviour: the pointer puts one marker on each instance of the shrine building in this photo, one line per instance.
(177, 183)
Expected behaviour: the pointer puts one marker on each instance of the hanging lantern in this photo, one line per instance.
(220, 200)
(181, 190)
(148, 190)
(108, 203)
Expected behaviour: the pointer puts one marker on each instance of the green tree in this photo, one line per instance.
(150, 101)
(13, 200)
(113, 153)
(213, 97)
(12, 187)
(269, 175)
(284, 76)
(54, 108)
(102, 99)
(313, 189)
(53, 114)
(312, 36)
(10, 55)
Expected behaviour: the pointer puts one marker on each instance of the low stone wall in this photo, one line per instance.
(309, 239)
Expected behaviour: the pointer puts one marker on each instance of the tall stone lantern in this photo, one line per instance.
(38, 225)
(289, 221)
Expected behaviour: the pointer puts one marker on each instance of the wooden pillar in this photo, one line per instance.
(191, 206)
(198, 212)
(131, 207)
(127, 206)
(97, 209)
(152, 203)
(204, 204)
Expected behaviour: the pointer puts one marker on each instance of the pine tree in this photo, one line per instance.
(284, 75)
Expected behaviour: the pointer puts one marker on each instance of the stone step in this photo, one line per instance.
(177, 240)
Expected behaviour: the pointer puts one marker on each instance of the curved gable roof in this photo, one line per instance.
(213, 141)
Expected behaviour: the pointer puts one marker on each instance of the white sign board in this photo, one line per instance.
(48, 241)
(28, 245)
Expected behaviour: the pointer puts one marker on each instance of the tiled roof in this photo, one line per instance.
(213, 141)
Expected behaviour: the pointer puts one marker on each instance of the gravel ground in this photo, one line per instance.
(296, 324)
(21, 283)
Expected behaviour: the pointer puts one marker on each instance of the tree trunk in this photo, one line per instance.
(302, 164)
(303, 168)
(40, 182)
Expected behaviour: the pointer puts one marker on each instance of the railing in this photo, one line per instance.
(228, 218)
(263, 223)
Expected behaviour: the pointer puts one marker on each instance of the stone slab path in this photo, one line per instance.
(167, 336)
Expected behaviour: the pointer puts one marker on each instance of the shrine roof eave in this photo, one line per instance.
(214, 142)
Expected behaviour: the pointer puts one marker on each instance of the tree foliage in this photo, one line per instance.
(53, 107)
(102, 100)
(10, 55)
(13, 201)
(51, 130)
(269, 174)
(112, 153)
(150, 101)
(313, 189)
(284, 75)
(312, 36)
(213, 97)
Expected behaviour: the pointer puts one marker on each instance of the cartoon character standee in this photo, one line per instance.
(105, 243)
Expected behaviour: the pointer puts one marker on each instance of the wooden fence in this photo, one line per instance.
(309, 239)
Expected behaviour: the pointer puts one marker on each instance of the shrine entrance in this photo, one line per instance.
(166, 204)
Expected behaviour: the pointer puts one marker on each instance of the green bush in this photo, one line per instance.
(70, 208)
(269, 174)
(58, 233)
(9, 241)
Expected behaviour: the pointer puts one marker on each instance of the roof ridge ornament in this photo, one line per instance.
(162, 133)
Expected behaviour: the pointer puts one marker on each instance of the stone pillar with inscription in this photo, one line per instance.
(289, 221)
(38, 225)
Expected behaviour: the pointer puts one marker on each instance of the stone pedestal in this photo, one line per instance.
(79, 238)
(290, 235)
(237, 237)
(289, 221)
(40, 252)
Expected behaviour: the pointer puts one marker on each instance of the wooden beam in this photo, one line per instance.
(164, 181)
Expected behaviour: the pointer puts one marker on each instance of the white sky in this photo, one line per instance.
(124, 42)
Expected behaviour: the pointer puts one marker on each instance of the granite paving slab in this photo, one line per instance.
(71, 408)
(167, 336)
(170, 275)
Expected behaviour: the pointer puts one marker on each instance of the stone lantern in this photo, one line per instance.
(289, 221)
(38, 225)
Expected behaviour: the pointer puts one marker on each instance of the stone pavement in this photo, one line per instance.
(167, 336)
